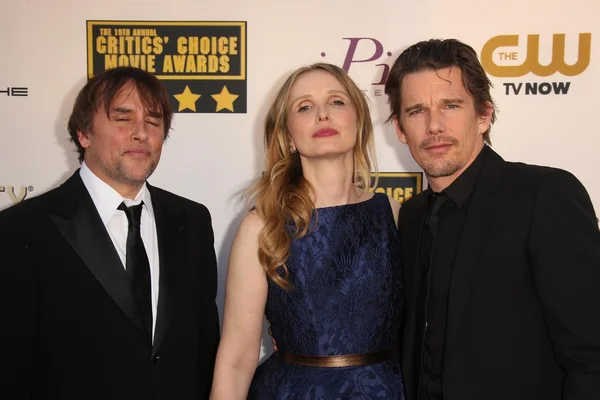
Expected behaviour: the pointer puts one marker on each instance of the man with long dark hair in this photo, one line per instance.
(501, 269)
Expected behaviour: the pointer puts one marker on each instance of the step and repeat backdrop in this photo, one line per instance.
(222, 62)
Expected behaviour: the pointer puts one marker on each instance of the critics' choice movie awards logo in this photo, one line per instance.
(500, 59)
(400, 185)
(202, 64)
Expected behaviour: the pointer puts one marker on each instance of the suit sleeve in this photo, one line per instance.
(208, 265)
(565, 256)
(17, 307)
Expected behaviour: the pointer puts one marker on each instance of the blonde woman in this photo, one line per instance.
(318, 255)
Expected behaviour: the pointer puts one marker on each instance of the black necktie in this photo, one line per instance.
(138, 267)
(436, 200)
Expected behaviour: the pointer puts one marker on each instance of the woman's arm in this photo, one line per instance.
(245, 298)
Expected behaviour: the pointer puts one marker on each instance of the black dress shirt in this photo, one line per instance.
(434, 307)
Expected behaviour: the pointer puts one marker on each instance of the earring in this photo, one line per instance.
(293, 150)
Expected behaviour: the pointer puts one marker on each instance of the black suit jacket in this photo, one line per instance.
(522, 317)
(70, 328)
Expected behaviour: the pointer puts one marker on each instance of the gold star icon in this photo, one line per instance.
(187, 99)
(225, 99)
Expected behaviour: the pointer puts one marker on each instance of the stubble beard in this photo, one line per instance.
(444, 164)
(119, 173)
(438, 168)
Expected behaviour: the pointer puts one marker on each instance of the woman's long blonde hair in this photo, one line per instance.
(283, 195)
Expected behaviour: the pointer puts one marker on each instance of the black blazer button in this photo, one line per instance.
(155, 359)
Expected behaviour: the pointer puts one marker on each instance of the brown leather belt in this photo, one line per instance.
(346, 360)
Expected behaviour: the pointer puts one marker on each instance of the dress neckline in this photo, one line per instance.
(347, 205)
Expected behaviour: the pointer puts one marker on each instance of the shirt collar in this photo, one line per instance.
(462, 188)
(106, 199)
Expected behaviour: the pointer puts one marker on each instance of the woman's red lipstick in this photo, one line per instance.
(324, 132)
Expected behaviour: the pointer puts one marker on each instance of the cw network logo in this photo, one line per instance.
(16, 194)
(531, 63)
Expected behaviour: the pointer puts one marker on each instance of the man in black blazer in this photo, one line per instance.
(501, 260)
(94, 306)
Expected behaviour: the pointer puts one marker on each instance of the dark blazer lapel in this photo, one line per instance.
(78, 221)
(472, 240)
(170, 222)
(411, 226)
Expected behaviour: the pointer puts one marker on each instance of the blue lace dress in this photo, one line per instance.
(347, 299)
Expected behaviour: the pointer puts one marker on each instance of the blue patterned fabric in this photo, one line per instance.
(347, 299)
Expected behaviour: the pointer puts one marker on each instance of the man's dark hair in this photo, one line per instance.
(101, 90)
(436, 54)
